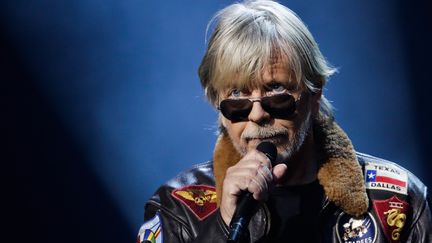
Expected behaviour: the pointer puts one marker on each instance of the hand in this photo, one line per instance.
(253, 173)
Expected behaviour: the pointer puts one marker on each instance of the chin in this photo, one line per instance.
(284, 155)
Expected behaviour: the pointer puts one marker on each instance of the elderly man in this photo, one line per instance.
(265, 74)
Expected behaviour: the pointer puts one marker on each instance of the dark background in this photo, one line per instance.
(102, 103)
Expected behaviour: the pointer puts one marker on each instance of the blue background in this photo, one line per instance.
(103, 101)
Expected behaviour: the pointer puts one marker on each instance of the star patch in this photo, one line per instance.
(386, 177)
(356, 229)
(200, 199)
(151, 231)
(392, 214)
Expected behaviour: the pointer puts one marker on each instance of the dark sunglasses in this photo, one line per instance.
(278, 106)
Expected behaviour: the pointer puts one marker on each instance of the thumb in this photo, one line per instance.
(279, 172)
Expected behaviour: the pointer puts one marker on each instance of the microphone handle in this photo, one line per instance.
(246, 204)
(242, 216)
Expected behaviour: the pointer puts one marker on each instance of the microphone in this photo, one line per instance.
(246, 203)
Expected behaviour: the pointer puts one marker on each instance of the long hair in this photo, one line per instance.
(250, 35)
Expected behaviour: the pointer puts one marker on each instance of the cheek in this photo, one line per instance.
(302, 114)
(235, 130)
(290, 125)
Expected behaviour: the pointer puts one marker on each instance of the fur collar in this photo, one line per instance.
(339, 172)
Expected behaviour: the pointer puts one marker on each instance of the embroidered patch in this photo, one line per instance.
(392, 214)
(200, 199)
(151, 231)
(386, 177)
(351, 229)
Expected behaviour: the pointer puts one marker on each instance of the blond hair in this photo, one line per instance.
(250, 35)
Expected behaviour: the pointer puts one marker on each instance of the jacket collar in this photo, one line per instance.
(339, 172)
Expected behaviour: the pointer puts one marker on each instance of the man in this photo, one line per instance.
(264, 72)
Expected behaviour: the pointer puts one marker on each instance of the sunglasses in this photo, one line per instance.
(278, 106)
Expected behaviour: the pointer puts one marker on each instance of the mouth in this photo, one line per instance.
(275, 139)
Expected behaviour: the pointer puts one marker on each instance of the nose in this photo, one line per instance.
(258, 114)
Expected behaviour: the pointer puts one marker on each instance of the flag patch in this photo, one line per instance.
(151, 231)
(386, 177)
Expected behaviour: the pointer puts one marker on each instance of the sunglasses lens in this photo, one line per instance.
(279, 106)
(236, 110)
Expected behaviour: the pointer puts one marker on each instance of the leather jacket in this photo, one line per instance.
(180, 224)
(388, 203)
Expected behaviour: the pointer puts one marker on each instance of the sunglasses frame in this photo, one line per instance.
(253, 100)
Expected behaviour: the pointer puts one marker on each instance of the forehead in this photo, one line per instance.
(277, 69)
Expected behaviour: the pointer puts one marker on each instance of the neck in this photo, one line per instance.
(302, 166)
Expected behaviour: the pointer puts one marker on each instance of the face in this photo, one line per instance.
(287, 134)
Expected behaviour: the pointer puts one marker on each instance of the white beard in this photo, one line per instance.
(266, 133)
(294, 143)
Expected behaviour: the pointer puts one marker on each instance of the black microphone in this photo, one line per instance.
(246, 203)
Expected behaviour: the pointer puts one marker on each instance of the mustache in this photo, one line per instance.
(263, 132)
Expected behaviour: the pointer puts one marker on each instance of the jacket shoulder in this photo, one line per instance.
(199, 174)
(390, 185)
(190, 193)
(391, 173)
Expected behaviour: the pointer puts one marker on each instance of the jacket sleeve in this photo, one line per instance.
(171, 228)
(213, 229)
(175, 230)
(422, 229)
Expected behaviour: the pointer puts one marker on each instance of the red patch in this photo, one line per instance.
(200, 199)
(392, 214)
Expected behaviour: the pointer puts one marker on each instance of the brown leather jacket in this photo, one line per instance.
(367, 199)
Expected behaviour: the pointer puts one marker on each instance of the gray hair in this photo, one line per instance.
(250, 35)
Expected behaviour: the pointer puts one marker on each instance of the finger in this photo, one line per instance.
(234, 186)
(279, 172)
(265, 172)
(262, 173)
(242, 172)
(256, 186)
(252, 166)
(258, 189)
(238, 179)
(256, 155)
